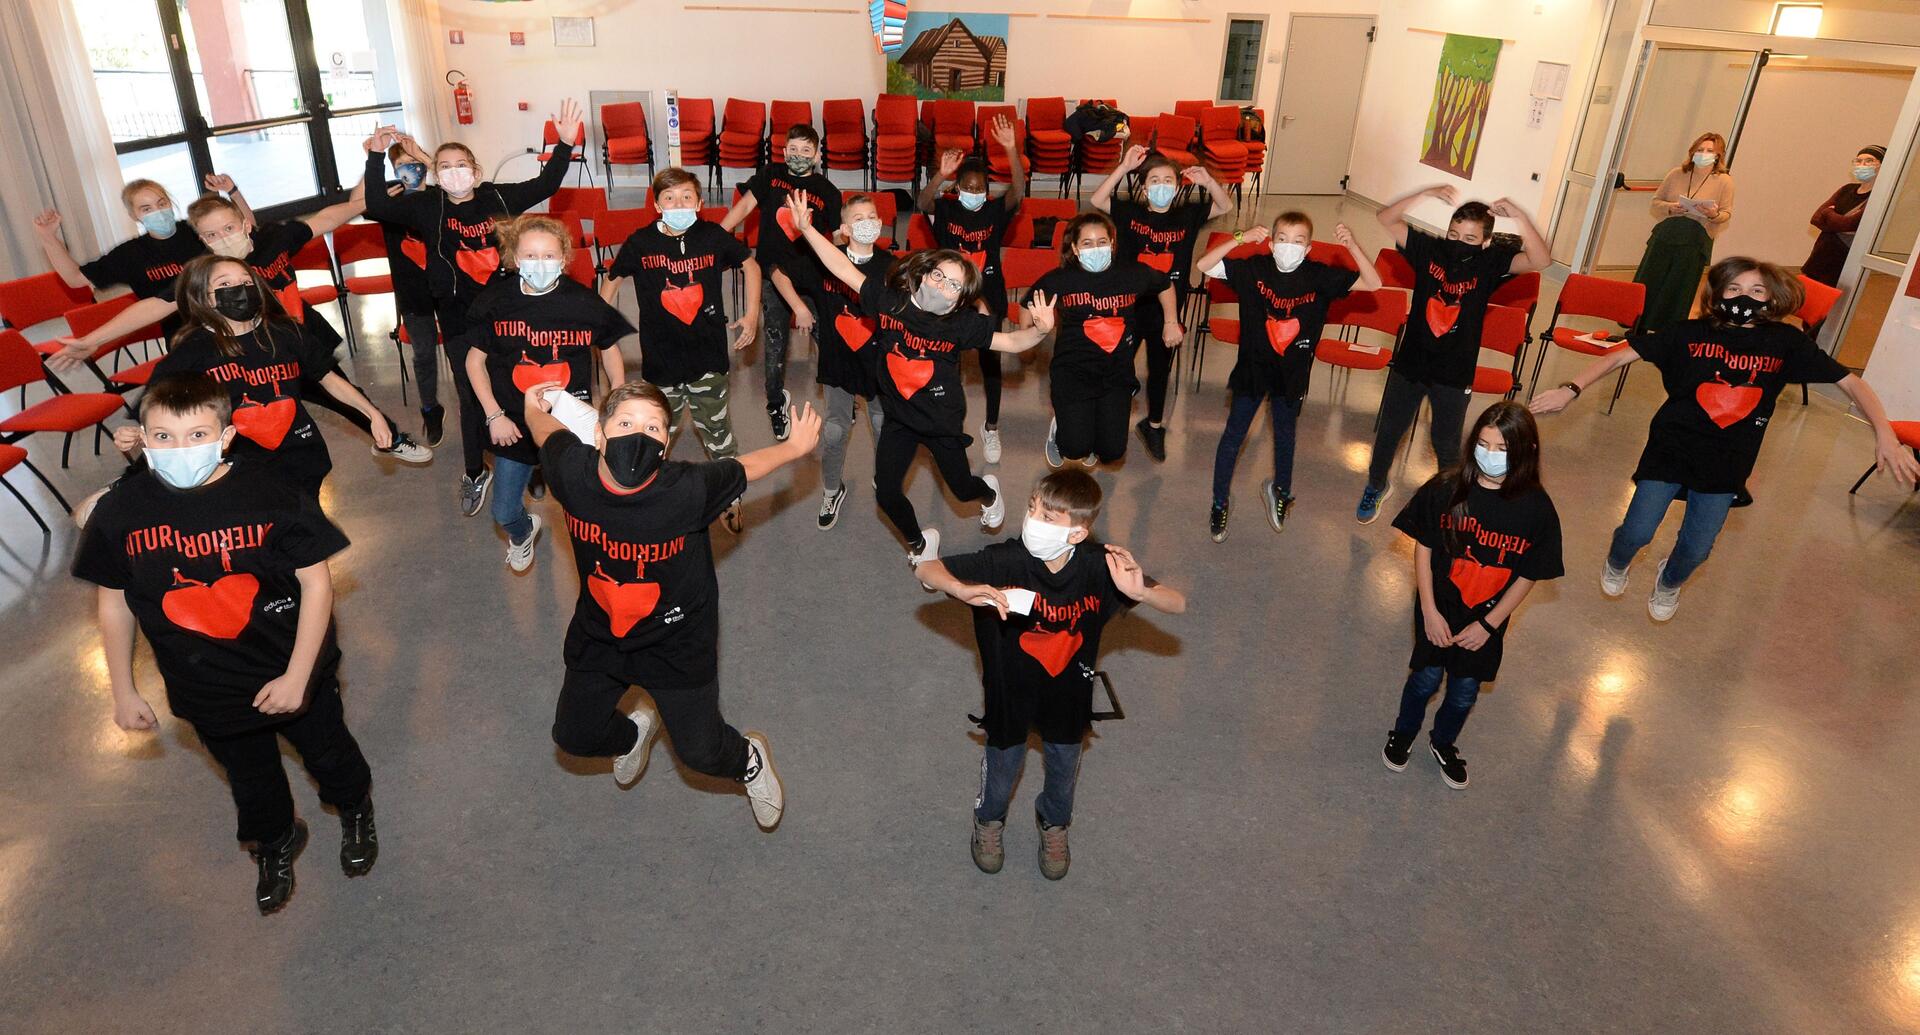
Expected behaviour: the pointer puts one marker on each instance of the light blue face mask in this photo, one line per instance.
(1492, 464)
(161, 222)
(186, 466)
(1160, 195)
(973, 202)
(1096, 260)
(539, 274)
(679, 219)
(1863, 173)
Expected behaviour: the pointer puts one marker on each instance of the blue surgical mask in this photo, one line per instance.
(679, 219)
(186, 466)
(1096, 260)
(1703, 158)
(160, 222)
(1491, 463)
(1864, 173)
(412, 175)
(539, 274)
(1160, 195)
(973, 202)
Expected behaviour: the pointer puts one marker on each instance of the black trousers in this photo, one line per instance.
(990, 379)
(894, 453)
(259, 780)
(1097, 425)
(1399, 404)
(452, 314)
(588, 722)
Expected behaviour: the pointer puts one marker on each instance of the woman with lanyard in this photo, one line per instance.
(1839, 216)
(456, 220)
(1694, 204)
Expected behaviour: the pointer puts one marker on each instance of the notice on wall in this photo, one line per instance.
(573, 32)
(1549, 80)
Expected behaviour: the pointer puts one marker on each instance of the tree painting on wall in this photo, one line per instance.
(1462, 89)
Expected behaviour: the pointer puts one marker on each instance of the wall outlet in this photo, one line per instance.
(1536, 177)
(523, 105)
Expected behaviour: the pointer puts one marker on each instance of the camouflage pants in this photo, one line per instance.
(706, 400)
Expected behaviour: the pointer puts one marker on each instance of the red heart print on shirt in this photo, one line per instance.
(785, 218)
(979, 260)
(1477, 583)
(1441, 316)
(527, 373)
(624, 602)
(291, 301)
(1280, 333)
(1053, 650)
(219, 611)
(415, 249)
(1104, 331)
(478, 263)
(854, 330)
(909, 375)
(1162, 261)
(1727, 404)
(684, 301)
(265, 424)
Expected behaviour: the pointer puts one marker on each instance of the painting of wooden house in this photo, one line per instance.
(959, 55)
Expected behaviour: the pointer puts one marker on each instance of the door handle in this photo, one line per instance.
(1284, 119)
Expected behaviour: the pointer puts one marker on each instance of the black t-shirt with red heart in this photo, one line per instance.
(148, 265)
(683, 315)
(265, 383)
(844, 330)
(649, 607)
(530, 339)
(209, 574)
(274, 248)
(770, 188)
(1451, 285)
(1095, 327)
(979, 236)
(1164, 241)
(1037, 668)
(1477, 553)
(1281, 317)
(1722, 383)
(916, 359)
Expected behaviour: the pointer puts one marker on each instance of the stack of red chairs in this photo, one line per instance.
(743, 135)
(1195, 110)
(845, 138)
(896, 148)
(697, 140)
(999, 167)
(784, 115)
(952, 126)
(1100, 156)
(1049, 148)
(1257, 153)
(1225, 154)
(627, 142)
(1173, 137)
(1022, 233)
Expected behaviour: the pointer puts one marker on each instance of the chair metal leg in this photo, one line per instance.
(1618, 387)
(66, 450)
(37, 519)
(1875, 466)
(35, 471)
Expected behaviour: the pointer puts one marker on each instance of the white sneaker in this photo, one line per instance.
(996, 512)
(929, 552)
(1664, 600)
(520, 554)
(628, 767)
(764, 792)
(1090, 461)
(406, 450)
(1053, 447)
(1613, 581)
(990, 444)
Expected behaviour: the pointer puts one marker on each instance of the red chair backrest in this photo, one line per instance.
(984, 114)
(1521, 291)
(1031, 209)
(1504, 329)
(1240, 251)
(89, 318)
(845, 122)
(581, 268)
(883, 200)
(1384, 311)
(1141, 127)
(893, 114)
(696, 117)
(39, 298)
(919, 232)
(584, 201)
(1175, 131)
(745, 117)
(576, 229)
(1221, 123)
(1046, 112)
(1395, 271)
(314, 256)
(946, 116)
(357, 242)
(1819, 302)
(623, 120)
(615, 225)
(1331, 254)
(784, 115)
(1618, 300)
(1192, 109)
(1024, 266)
(19, 364)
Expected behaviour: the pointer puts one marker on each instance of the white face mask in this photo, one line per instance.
(456, 179)
(1492, 463)
(1703, 159)
(1288, 256)
(866, 231)
(185, 467)
(236, 245)
(1046, 542)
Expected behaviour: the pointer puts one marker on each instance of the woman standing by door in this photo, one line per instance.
(1694, 204)
(1839, 216)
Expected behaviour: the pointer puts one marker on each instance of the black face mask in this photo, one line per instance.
(1739, 308)
(633, 458)
(1460, 251)
(239, 302)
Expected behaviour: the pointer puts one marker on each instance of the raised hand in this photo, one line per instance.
(1003, 132)
(800, 203)
(1136, 155)
(1127, 576)
(1196, 175)
(1255, 234)
(1344, 235)
(1042, 309)
(218, 183)
(537, 395)
(1445, 192)
(1504, 209)
(950, 163)
(568, 125)
(47, 224)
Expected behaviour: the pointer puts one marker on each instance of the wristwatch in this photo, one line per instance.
(1238, 237)
(1572, 387)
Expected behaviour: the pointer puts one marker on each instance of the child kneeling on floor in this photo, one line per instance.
(1038, 660)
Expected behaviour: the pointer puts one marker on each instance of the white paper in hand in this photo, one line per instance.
(573, 414)
(1019, 601)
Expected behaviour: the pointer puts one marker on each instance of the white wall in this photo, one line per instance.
(1894, 368)
(1884, 21)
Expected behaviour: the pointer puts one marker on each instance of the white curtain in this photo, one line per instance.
(423, 86)
(57, 153)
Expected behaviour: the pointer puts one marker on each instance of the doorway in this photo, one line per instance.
(1319, 99)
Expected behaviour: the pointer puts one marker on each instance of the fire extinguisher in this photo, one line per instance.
(462, 97)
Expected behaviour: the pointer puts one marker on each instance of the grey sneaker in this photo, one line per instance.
(473, 492)
(994, 513)
(764, 792)
(1217, 522)
(990, 444)
(1613, 581)
(1053, 447)
(1054, 857)
(1278, 504)
(520, 554)
(929, 547)
(1664, 600)
(989, 848)
(628, 767)
(406, 450)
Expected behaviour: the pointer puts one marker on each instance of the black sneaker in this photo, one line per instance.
(276, 867)
(1399, 748)
(359, 843)
(1155, 439)
(777, 416)
(1278, 503)
(1453, 768)
(830, 507)
(473, 491)
(1217, 523)
(433, 421)
(537, 485)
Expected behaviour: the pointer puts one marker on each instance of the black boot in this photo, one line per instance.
(276, 858)
(359, 842)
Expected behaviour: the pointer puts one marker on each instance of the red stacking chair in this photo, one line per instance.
(1395, 270)
(1257, 154)
(626, 138)
(12, 457)
(615, 225)
(89, 318)
(1907, 431)
(1192, 109)
(952, 126)
(39, 298)
(1022, 268)
(1021, 233)
(550, 136)
(844, 139)
(361, 242)
(1331, 253)
(784, 115)
(1816, 302)
(999, 168)
(1620, 301)
(1100, 156)
(743, 135)
(576, 229)
(314, 256)
(1173, 137)
(1504, 331)
(699, 146)
(1520, 291)
(581, 268)
(1383, 311)
(919, 232)
(1221, 149)
(584, 202)
(63, 414)
(1222, 328)
(1049, 148)
(896, 145)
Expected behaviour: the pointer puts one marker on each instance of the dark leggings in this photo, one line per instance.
(587, 722)
(1097, 425)
(894, 453)
(259, 780)
(1399, 404)
(452, 313)
(422, 331)
(1159, 356)
(990, 380)
(1285, 414)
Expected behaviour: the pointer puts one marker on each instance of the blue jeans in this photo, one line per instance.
(1285, 413)
(1000, 774)
(1422, 684)
(1706, 512)
(510, 478)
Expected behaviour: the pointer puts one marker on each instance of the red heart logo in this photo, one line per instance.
(1441, 316)
(1726, 404)
(1053, 650)
(624, 602)
(909, 375)
(527, 373)
(979, 260)
(414, 248)
(291, 301)
(266, 424)
(854, 330)
(1104, 331)
(1280, 333)
(478, 263)
(684, 302)
(1477, 583)
(219, 611)
(1162, 261)
(785, 218)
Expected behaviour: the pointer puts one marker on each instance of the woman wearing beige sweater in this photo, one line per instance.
(1694, 203)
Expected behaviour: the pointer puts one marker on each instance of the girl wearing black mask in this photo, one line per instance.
(1722, 374)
